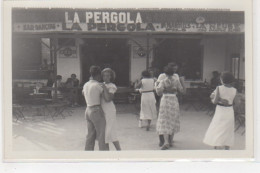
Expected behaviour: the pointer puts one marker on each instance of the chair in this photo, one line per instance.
(122, 95)
(190, 99)
(56, 107)
(18, 111)
(135, 98)
(204, 100)
(239, 111)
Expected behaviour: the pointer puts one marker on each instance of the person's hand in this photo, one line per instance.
(170, 90)
(212, 96)
(102, 85)
(224, 102)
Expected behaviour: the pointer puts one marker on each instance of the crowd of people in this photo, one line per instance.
(101, 112)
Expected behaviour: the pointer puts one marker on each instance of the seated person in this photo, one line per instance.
(215, 80)
(51, 79)
(44, 65)
(50, 82)
(60, 87)
(72, 84)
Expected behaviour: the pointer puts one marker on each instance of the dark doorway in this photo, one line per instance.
(112, 53)
(188, 53)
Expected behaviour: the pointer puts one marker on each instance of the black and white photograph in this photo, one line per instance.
(93, 80)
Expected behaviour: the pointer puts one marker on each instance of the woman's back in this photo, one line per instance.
(147, 84)
(227, 93)
(171, 83)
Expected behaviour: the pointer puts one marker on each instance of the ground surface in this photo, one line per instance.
(35, 133)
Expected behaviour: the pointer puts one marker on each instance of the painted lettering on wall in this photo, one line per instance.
(37, 27)
(134, 21)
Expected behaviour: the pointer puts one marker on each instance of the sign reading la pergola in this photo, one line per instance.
(107, 21)
(115, 21)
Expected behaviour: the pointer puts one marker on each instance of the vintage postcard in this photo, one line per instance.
(160, 81)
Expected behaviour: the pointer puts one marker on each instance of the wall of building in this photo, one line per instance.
(218, 50)
(242, 64)
(138, 64)
(68, 66)
(214, 57)
(236, 45)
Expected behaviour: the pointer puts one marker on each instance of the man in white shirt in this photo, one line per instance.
(96, 122)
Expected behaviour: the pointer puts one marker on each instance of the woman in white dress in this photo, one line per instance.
(220, 133)
(148, 102)
(108, 107)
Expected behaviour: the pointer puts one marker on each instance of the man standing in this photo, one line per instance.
(96, 122)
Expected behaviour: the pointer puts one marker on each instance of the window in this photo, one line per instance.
(187, 53)
(30, 58)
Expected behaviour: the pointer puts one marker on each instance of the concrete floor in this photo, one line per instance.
(35, 133)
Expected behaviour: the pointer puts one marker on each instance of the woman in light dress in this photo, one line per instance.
(220, 133)
(148, 102)
(163, 76)
(108, 107)
(168, 122)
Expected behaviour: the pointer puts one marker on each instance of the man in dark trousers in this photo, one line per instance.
(96, 122)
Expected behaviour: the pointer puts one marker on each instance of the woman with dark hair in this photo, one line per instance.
(163, 76)
(168, 122)
(148, 102)
(220, 133)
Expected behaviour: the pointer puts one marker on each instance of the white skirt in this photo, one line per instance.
(111, 124)
(221, 129)
(148, 106)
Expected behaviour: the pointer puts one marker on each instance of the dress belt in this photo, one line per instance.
(93, 106)
(147, 91)
(169, 94)
(219, 104)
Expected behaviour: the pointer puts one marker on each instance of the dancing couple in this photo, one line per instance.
(100, 112)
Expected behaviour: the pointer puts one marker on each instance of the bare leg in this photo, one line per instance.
(148, 126)
(117, 145)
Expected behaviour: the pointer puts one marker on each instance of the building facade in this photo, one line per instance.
(67, 41)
